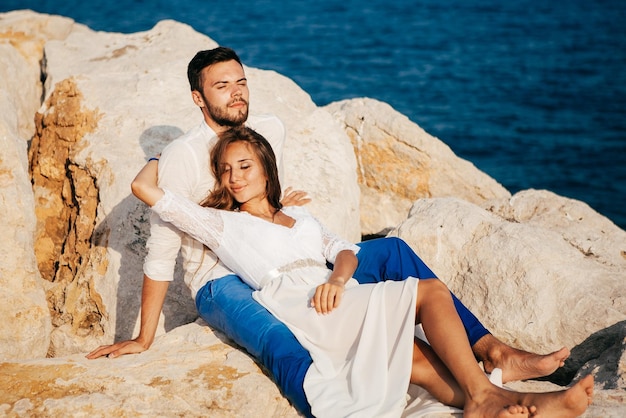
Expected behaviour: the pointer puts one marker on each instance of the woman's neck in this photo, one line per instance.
(261, 210)
(269, 213)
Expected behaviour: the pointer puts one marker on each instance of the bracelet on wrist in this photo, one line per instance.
(153, 159)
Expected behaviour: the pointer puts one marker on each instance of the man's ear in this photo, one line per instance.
(197, 98)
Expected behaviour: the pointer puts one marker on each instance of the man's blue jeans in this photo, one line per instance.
(226, 304)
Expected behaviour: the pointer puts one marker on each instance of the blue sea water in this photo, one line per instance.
(533, 92)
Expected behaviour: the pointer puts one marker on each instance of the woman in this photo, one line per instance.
(360, 336)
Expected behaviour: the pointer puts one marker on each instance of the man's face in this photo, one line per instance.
(225, 94)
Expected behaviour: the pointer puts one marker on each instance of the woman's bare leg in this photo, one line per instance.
(430, 373)
(446, 335)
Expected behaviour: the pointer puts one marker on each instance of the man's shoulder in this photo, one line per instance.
(265, 121)
(263, 117)
(271, 127)
(198, 137)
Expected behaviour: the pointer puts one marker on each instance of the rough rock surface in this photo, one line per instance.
(26, 328)
(540, 270)
(188, 372)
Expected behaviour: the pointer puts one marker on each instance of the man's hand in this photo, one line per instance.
(295, 197)
(152, 297)
(117, 349)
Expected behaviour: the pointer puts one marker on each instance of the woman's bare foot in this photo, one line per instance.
(495, 403)
(513, 411)
(518, 364)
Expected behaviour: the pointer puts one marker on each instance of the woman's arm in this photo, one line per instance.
(345, 266)
(144, 186)
(328, 295)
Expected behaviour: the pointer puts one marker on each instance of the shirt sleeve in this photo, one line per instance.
(163, 246)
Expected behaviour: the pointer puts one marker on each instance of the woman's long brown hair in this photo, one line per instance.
(219, 198)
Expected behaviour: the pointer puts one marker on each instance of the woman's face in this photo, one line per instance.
(242, 173)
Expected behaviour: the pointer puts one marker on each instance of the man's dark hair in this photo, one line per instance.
(206, 58)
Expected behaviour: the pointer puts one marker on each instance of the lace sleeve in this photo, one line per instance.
(333, 244)
(204, 224)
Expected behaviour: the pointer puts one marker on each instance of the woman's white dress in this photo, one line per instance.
(362, 351)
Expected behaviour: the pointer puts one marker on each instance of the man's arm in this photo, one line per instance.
(152, 297)
(152, 294)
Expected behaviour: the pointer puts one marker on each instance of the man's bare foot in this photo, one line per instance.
(517, 364)
(498, 402)
(522, 365)
(564, 404)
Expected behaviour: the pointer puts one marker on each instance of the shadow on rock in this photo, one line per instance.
(599, 354)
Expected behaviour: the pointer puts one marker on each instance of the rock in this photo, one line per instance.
(24, 311)
(26, 328)
(188, 372)
(582, 227)
(23, 35)
(398, 162)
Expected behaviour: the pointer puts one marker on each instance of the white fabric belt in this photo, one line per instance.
(298, 264)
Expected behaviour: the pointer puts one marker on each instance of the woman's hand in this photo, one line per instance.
(328, 295)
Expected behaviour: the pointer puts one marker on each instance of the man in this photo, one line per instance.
(219, 88)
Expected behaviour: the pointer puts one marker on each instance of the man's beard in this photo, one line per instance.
(223, 118)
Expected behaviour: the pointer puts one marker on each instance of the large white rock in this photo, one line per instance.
(22, 38)
(534, 285)
(26, 326)
(398, 162)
